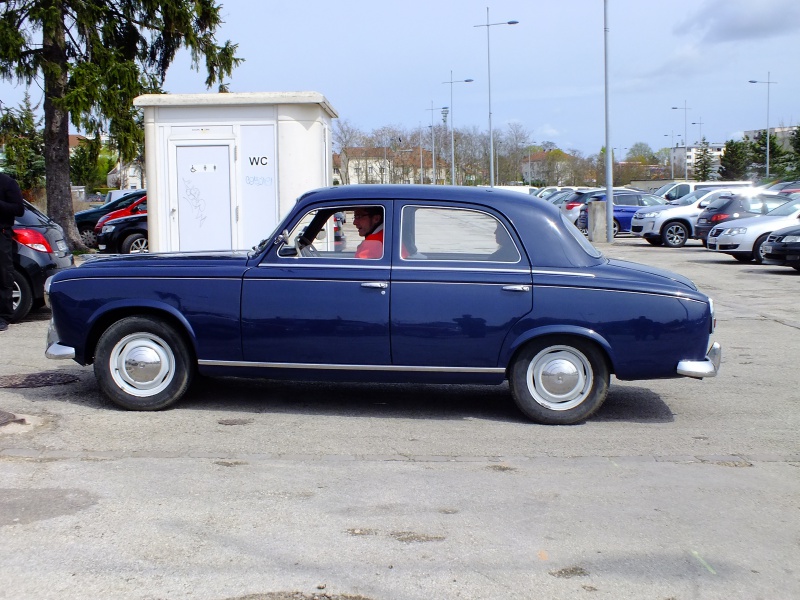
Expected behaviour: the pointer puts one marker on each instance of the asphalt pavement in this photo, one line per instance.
(261, 489)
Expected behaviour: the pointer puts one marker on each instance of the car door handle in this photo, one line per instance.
(378, 285)
(516, 288)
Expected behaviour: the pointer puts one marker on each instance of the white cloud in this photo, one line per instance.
(719, 21)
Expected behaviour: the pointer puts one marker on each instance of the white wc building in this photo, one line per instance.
(224, 169)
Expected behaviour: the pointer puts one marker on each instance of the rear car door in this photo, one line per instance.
(460, 281)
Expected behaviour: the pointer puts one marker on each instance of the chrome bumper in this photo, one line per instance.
(702, 368)
(54, 349)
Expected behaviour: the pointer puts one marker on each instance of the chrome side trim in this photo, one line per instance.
(462, 269)
(334, 367)
(299, 265)
(569, 273)
(709, 367)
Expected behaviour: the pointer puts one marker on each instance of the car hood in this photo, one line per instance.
(658, 208)
(764, 223)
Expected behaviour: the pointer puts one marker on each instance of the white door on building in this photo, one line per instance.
(205, 211)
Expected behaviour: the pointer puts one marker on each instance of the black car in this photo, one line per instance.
(87, 219)
(783, 247)
(729, 207)
(126, 235)
(39, 250)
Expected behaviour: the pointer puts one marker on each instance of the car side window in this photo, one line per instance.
(338, 232)
(648, 200)
(627, 200)
(455, 234)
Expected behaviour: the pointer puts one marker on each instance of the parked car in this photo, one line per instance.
(551, 189)
(439, 304)
(625, 206)
(85, 220)
(783, 247)
(126, 235)
(672, 224)
(679, 189)
(782, 185)
(744, 238)
(112, 195)
(735, 206)
(39, 251)
(571, 205)
(137, 208)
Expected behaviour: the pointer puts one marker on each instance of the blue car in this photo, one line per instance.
(439, 285)
(625, 206)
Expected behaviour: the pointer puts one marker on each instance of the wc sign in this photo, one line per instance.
(256, 161)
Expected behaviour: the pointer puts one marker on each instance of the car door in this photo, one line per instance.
(322, 309)
(625, 206)
(460, 282)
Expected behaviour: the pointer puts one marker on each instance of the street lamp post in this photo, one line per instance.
(433, 137)
(700, 122)
(453, 128)
(685, 110)
(768, 83)
(489, 82)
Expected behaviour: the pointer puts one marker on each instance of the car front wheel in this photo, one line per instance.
(143, 363)
(675, 234)
(559, 380)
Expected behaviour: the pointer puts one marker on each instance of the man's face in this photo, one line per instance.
(365, 222)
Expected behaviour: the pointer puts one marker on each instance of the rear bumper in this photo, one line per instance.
(708, 367)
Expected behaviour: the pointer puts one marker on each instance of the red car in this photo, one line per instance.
(137, 208)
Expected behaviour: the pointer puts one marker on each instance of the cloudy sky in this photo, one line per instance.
(383, 63)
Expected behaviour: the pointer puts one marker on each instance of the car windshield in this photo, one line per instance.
(786, 210)
(663, 189)
(690, 198)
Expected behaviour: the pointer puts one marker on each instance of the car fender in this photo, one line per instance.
(514, 344)
(99, 320)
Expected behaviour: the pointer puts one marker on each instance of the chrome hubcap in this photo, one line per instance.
(139, 246)
(675, 234)
(559, 377)
(142, 364)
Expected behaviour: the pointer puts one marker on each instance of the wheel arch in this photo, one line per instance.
(103, 320)
(682, 220)
(578, 333)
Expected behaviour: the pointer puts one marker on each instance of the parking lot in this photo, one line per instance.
(675, 489)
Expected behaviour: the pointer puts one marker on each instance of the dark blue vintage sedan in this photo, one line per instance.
(435, 284)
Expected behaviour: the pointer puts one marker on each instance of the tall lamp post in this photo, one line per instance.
(685, 138)
(453, 128)
(671, 162)
(433, 136)
(700, 122)
(489, 81)
(768, 83)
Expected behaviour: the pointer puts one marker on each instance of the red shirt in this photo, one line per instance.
(372, 246)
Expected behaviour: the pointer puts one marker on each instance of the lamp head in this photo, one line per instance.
(753, 81)
(512, 22)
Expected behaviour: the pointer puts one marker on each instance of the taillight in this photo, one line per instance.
(718, 217)
(571, 205)
(33, 240)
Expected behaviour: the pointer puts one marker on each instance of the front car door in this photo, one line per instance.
(323, 307)
(459, 283)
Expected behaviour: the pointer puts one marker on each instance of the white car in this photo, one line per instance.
(673, 223)
(743, 238)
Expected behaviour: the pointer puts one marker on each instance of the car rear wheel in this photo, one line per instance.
(654, 240)
(89, 238)
(143, 363)
(559, 380)
(616, 228)
(675, 234)
(758, 252)
(21, 297)
(135, 244)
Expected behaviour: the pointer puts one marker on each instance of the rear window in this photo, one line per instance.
(32, 217)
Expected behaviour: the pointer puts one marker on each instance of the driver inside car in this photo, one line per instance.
(368, 220)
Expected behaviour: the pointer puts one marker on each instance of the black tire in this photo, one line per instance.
(757, 255)
(654, 240)
(537, 380)
(674, 234)
(704, 241)
(89, 238)
(742, 257)
(135, 244)
(796, 267)
(142, 363)
(21, 297)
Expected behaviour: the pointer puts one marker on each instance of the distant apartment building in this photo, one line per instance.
(682, 157)
(782, 135)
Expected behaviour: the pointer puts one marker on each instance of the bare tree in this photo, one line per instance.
(346, 136)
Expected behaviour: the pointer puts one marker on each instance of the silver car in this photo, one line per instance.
(743, 238)
(672, 224)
